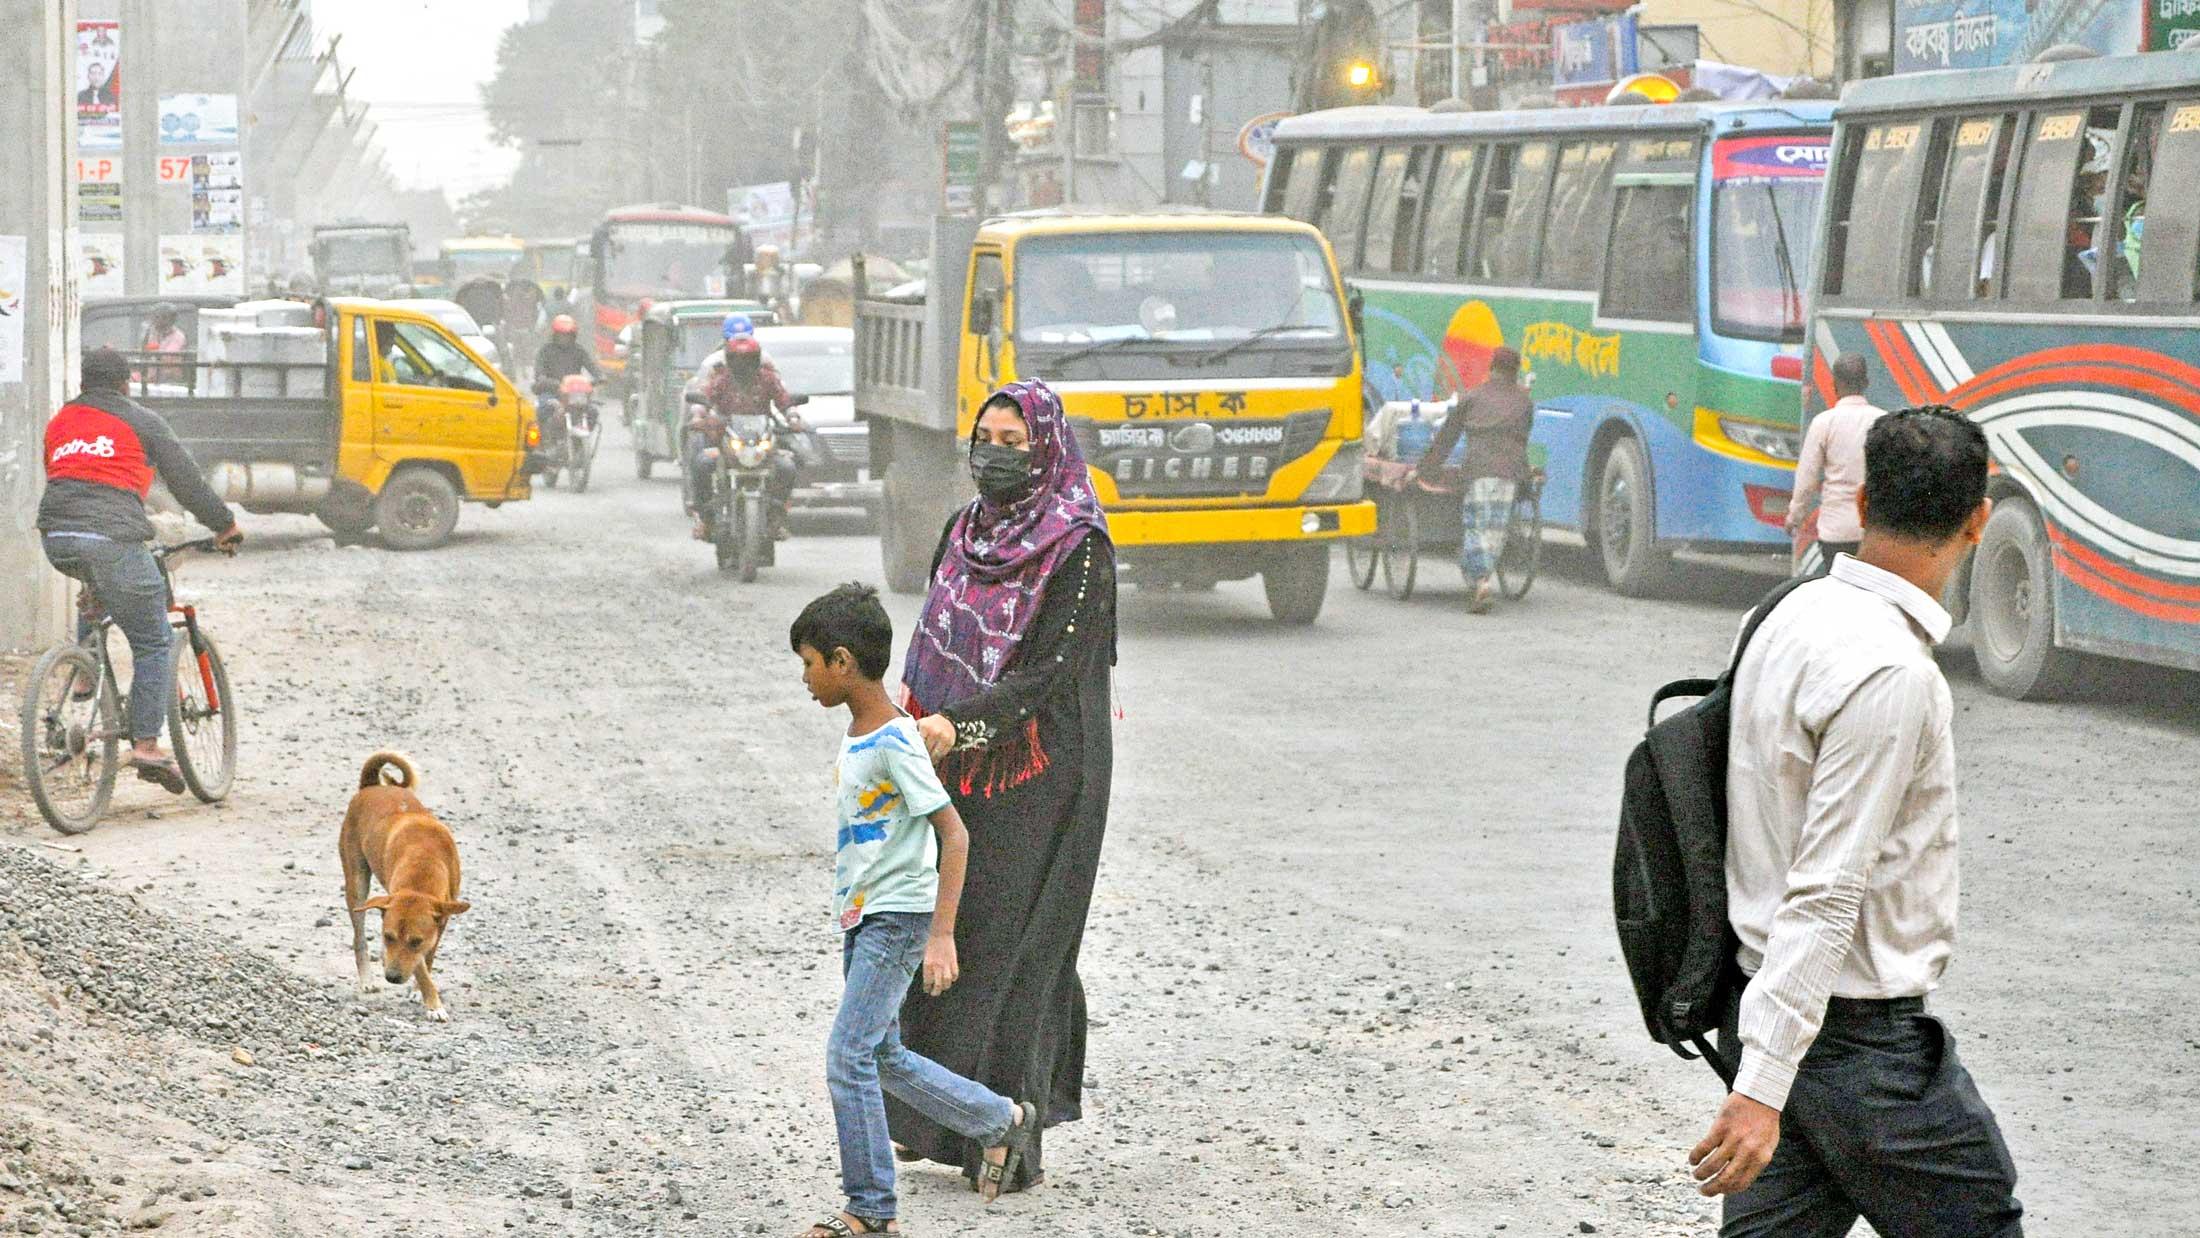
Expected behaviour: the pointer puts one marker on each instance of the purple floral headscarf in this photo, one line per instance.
(997, 563)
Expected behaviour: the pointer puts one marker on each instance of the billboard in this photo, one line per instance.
(98, 85)
(1974, 34)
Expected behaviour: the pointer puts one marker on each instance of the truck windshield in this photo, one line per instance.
(1198, 288)
(1764, 210)
(466, 264)
(362, 255)
(665, 259)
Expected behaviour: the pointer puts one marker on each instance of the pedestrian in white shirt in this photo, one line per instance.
(1830, 472)
(1841, 883)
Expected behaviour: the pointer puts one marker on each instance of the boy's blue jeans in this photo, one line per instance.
(878, 958)
(128, 581)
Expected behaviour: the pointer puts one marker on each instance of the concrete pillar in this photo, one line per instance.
(171, 47)
(38, 204)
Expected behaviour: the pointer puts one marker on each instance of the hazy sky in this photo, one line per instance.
(421, 64)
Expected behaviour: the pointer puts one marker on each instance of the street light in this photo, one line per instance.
(1360, 75)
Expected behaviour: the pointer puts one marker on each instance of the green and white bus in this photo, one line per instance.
(1648, 263)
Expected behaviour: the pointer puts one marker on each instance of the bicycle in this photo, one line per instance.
(73, 715)
(1414, 514)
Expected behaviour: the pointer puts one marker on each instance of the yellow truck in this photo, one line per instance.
(1208, 363)
(369, 414)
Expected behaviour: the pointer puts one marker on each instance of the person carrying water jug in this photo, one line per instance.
(1496, 418)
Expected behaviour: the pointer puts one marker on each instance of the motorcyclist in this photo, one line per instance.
(560, 355)
(742, 382)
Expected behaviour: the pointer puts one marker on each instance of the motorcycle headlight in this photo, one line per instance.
(1339, 480)
(1771, 440)
(753, 455)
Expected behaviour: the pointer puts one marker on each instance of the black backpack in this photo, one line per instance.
(1669, 875)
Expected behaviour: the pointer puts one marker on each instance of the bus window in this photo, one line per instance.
(1345, 214)
(1647, 273)
(1580, 215)
(1835, 260)
(1956, 257)
(2172, 231)
(1919, 277)
(1405, 250)
(2127, 226)
(2057, 206)
(1764, 211)
(1384, 205)
(1509, 256)
(1279, 178)
(1443, 238)
(1501, 166)
(1302, 190)
(1878, 204)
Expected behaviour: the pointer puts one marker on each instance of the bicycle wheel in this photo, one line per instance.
(1361, 557)
(1402, 551)
(203, 730)
(70, 743)
(1523, 552)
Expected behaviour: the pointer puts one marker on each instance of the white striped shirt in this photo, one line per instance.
(1841, 798)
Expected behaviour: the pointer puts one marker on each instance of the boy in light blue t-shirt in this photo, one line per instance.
(897, 881)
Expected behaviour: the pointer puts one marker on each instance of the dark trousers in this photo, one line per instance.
(1884, 1123)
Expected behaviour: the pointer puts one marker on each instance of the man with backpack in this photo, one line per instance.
(1840, 865)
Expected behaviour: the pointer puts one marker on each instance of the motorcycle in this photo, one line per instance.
(737, 512)
(575, 422)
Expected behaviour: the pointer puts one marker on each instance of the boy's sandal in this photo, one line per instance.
(163, 772)
(838, 1228)
(993, 1179)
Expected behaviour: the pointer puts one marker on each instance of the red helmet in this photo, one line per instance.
(563, 324)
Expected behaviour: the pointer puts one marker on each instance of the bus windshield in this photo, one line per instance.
(362, 254)
(466, 264)
(665, 259)
(1764, 212)
(1076, 291)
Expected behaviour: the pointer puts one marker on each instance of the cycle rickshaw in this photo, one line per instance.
(1413, 514)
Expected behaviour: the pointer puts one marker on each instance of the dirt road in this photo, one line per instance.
(1350, 963)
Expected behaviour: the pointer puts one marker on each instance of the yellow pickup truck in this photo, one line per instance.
(369, 414)
(1208, 364)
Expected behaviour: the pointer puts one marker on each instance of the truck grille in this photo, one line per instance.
(1197, 459)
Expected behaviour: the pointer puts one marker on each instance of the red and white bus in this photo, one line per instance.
(640, 254)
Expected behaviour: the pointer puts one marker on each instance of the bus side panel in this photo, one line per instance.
(2099, 424)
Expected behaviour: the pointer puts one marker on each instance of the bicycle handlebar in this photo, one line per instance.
(204, 543)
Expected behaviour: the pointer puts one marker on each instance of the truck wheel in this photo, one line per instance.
(2013, 608)
(905, 548)
(347, 510)
(417, 509)
(1626, 523)
(1297, 583)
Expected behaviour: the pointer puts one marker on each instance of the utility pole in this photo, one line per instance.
(38, 344)
(996, 43)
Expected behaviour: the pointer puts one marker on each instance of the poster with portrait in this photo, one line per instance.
(198, 120)
(99, 263)
(15, 258)
(195, 263)
(99, 85)
(217, 192)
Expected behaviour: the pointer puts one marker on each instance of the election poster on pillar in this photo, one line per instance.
(15, 256)
(98, 85)
(99, 263)
(197, 263)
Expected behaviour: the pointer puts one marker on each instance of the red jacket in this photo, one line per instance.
(102, 453)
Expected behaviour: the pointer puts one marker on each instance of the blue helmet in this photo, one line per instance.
(737, 327)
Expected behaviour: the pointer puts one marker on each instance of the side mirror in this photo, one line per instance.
(981, 316)
(1355, 305)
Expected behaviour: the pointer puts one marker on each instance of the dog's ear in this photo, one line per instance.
(377, 903)
(452, 907)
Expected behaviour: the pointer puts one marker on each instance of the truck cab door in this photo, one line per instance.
(433, 400)
(985, 331)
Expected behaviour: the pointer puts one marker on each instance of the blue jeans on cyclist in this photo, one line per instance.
(127, 580)
(1486, 511)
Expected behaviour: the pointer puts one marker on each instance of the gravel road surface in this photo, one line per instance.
(1351, 963)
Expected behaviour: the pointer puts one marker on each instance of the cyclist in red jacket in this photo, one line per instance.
(102, 453)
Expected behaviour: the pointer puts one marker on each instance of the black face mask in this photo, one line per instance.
(1002, 473)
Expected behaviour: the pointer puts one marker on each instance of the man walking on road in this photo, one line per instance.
(102, 452)
(1499, 414)
(1841, 883)
(1831, 469)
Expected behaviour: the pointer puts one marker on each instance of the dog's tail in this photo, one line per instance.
(371, 774)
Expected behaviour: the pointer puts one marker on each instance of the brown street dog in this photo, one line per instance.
(390, 836)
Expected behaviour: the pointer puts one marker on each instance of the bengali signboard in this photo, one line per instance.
(1973, 34)
(2173, 25)
(1257, 140)
(1593, 51)
(99, 202)
(962, 162)
(99, 85)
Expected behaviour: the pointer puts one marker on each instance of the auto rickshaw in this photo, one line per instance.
(669, 346)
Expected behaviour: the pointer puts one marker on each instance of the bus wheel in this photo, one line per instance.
(1626, 523)
(1296, 582)
(2013, 608)
(904, 549)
